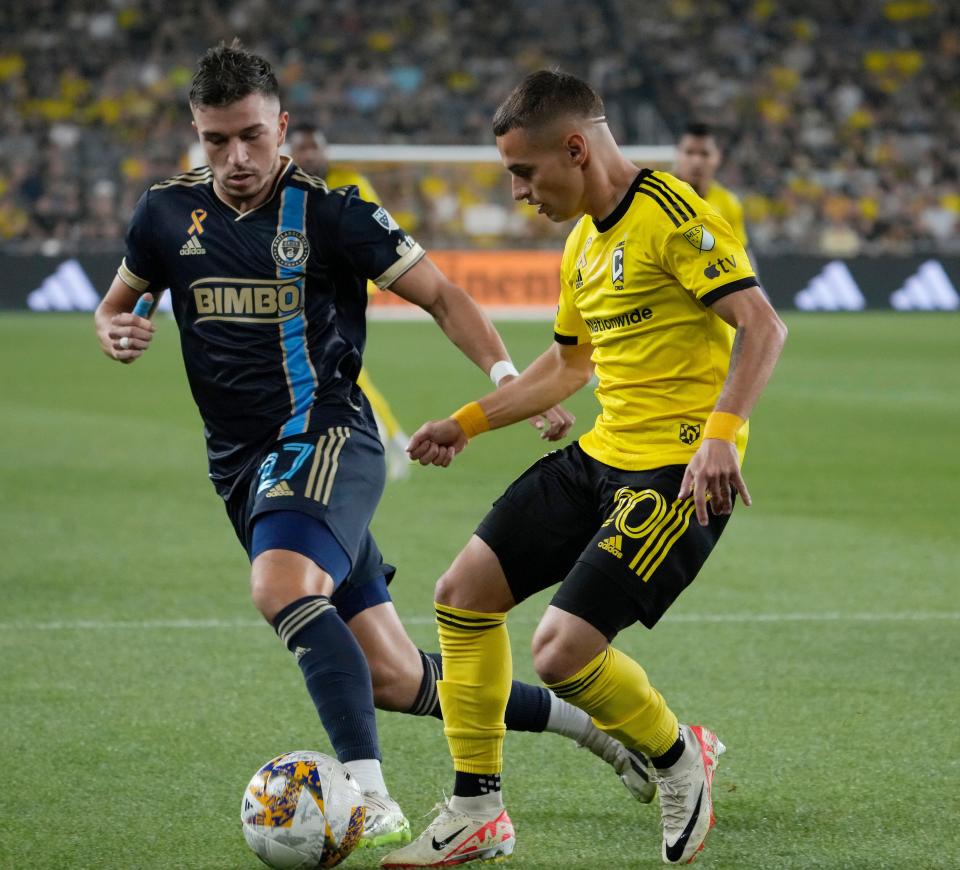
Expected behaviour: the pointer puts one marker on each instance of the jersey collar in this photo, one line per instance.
(287, 164)
(611, 219)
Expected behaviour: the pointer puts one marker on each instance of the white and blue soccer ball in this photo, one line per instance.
(301, 811)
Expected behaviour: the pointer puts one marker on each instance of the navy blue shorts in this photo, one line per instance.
(334, 475)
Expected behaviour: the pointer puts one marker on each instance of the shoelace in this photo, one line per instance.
(672, 808)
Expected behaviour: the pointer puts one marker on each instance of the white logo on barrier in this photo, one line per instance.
(930, 289)
(834, 289)
(67, 289)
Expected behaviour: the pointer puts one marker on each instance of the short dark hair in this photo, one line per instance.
(698, 128)
(544, 96)
(229, 73)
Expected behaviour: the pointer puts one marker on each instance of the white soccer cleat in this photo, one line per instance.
(631, 766)
(384, 823)
(454, 838)
(686, 799)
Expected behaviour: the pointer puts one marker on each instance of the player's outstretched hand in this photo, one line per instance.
(553, 424)
(714, 472)
(437, 442)
(129, 335)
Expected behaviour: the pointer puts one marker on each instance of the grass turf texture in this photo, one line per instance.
(820, 641)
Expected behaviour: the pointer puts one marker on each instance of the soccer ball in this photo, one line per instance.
(301, 811)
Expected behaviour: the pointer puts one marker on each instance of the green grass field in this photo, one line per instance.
(139, 692)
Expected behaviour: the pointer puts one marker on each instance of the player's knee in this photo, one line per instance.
(555, 658)
(448, 590)
(264, 597)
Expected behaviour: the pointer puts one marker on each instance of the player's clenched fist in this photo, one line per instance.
(126, 334)
(437, 442)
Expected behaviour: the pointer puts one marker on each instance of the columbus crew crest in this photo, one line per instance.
(689, 432)
(290, 248)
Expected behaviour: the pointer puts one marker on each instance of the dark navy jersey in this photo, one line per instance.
(270, 303)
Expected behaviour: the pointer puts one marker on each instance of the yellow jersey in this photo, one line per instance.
(338, 177)
(726, 202)
(638, 286)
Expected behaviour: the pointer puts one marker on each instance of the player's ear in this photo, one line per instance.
(284, 121)
(576, 148)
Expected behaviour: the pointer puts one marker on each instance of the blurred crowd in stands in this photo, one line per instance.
(838, 118)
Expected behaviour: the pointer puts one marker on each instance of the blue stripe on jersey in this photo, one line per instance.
(293, 333)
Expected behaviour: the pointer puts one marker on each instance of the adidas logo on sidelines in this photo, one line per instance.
(834, 289)
(282, 488)
(67, 289)
(613, 545)
(930, 289)
(192, 246)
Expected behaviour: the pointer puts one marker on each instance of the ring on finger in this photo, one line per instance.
(125, 342)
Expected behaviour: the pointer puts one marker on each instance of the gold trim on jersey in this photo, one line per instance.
(401, 266)
(134, 282)
(193, 178)
(315, 181)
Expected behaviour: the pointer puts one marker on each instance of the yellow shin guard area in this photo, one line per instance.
(477, 676)
(615, 691)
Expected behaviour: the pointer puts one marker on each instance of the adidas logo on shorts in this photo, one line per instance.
(613, 545)
(282, 488)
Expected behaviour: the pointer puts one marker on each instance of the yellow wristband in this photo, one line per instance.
(472, 419)
(724, 426)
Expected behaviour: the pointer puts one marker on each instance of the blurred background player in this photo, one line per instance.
(308, 148)
(698, 158)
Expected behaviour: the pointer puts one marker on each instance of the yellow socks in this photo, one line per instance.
(616, 693)
(477, 677)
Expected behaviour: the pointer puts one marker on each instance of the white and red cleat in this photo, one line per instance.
(454, 838)
(686, 799)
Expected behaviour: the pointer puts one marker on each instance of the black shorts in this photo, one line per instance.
(620, 543)
(336, 475)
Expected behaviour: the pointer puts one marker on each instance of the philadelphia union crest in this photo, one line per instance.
(290, 248)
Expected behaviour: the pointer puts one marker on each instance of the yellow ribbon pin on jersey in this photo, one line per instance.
(197, 217)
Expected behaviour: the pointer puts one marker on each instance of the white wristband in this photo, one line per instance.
(500, 369)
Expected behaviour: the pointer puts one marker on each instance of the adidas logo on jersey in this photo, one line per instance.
(613, 545)
(192, 246)
(834, 289)
(929, 289)
(282, 488)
